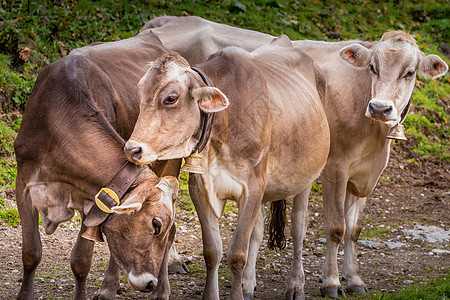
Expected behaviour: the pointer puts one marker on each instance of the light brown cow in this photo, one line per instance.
(70, 145)
(369, 86)
(269, 144)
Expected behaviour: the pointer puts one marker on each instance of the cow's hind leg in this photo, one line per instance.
(31, 243)
(80, 262)
(353, 212)
(299, 215)
(249, 276)
(110, 285)
(212, 242)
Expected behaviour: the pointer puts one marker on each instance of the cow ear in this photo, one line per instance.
(169, 188)
(432, 66)
(126, 208)
(210, 99)
(356, 55)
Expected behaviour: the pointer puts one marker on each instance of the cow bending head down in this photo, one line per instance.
(393, 63)
(138, 232)
(178, 100)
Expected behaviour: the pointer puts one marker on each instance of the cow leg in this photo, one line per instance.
(353, 212)
(31, 243)
(80, 262)
(299, 216)
(249, 207)
(334, 184)
(249, 276)
(163, 288)
(212, 242)
(111, 282)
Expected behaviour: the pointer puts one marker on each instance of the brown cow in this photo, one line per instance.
(70, 145)
(269, 144)
(366, 82)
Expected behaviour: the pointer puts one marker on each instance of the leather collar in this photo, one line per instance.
(207, 118)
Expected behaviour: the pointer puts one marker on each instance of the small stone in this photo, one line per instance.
(408, 281)
(15, 271)
(440, 251)
(41, 280)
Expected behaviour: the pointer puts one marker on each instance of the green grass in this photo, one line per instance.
(436, 289)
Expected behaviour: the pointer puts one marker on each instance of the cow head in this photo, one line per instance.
(138, 230)
(393, 64)
(171, 97)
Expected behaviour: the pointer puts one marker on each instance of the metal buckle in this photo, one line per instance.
(102, 205)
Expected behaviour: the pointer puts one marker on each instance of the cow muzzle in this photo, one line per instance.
(382, 110)
(139, 153)
(144, 283)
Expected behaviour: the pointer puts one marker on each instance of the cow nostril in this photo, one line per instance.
(150, 286)
(388, 110)
(136, 153)
(133, 152)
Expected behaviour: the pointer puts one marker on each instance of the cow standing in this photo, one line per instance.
(70, 145)
(369, 87)
(269, 144)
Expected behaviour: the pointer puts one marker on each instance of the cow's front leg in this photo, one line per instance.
(212, 242)
(31, 244)
(298, 230)
(249, 207)
(80, 262)
(334, 184)
(163, 288)
(353, 212)
(249, 277)
(111, 282)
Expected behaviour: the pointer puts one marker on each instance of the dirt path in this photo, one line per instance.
(408, 197)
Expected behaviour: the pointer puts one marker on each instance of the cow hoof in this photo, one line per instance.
(294, 296)
(178, 267)
(355, 289)
(332, 291)
(248, 296)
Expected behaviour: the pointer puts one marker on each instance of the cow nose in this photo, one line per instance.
(150, 286)
(133, 152)
(377, 109)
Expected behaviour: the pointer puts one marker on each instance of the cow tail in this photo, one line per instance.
(277, 223)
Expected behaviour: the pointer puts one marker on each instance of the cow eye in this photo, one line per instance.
(372, 69)
(409, 74)
(172, 99)
(157, 226)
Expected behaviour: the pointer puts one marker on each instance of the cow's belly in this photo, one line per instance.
(53, 201)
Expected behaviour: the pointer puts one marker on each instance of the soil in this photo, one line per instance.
(408, 194)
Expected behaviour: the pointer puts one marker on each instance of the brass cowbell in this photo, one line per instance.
(93, 234)
(193, 164)
(397, 133)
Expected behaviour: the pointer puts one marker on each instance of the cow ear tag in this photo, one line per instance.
(193, 164)
(397, 133)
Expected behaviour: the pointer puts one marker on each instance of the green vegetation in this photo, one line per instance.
(437, 289)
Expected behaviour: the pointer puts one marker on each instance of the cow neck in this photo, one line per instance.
(112, 193)
(207, 118)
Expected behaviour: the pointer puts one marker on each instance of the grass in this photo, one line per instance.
(436, 289)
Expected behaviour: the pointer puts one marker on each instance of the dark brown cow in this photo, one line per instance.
(269, 144)
(70, 145)
(369, 88)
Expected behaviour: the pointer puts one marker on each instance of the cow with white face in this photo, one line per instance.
(393, 63)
